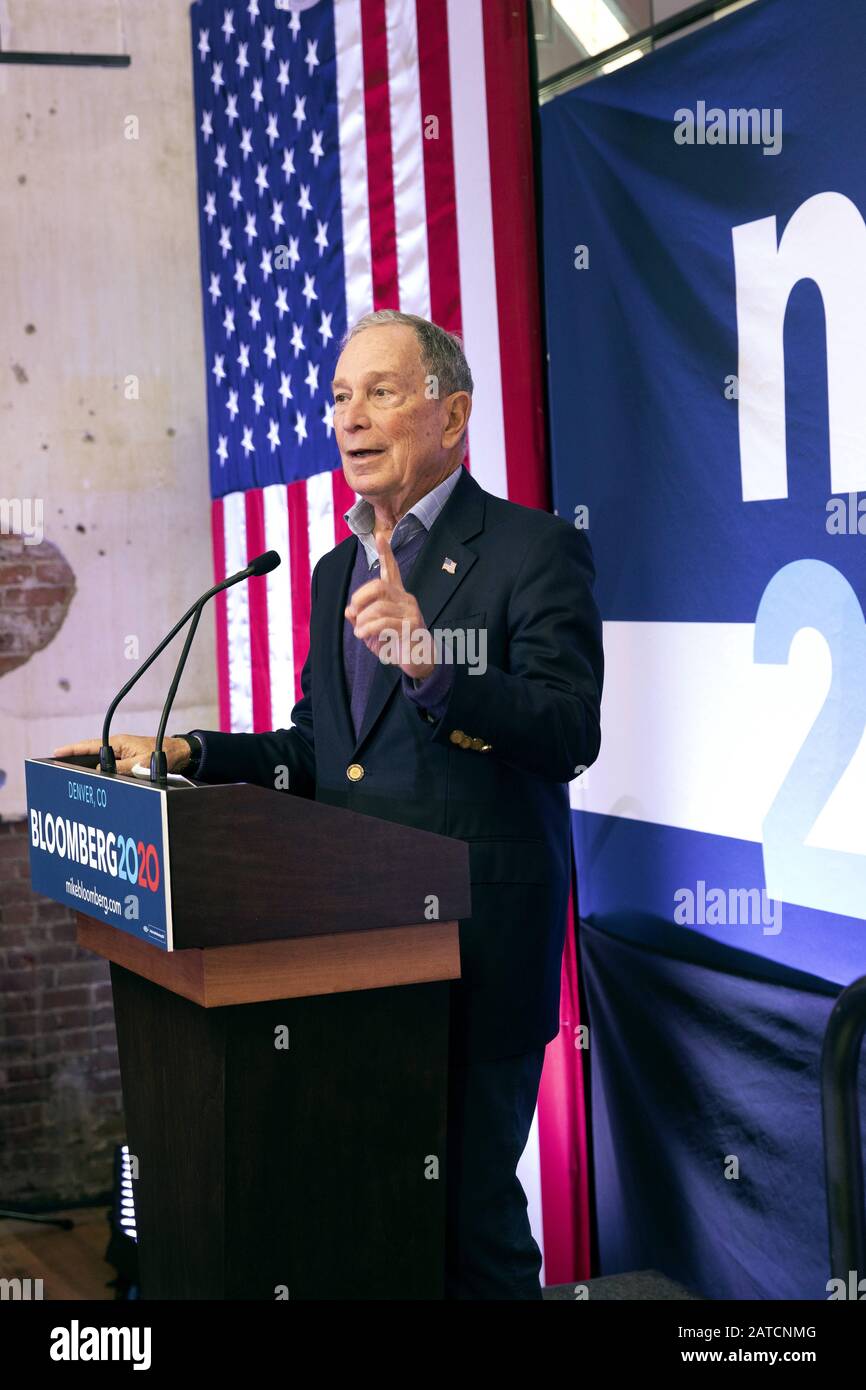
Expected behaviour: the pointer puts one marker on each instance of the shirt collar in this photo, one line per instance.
(361, 517)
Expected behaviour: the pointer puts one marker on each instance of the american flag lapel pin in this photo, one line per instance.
(450, 566)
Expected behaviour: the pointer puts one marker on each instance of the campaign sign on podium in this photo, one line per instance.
(97, 845)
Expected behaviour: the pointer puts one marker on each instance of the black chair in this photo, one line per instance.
(840, 1056)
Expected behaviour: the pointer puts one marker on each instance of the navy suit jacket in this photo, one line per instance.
(493, 770)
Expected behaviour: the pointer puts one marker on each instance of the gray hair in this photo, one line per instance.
(442, 355)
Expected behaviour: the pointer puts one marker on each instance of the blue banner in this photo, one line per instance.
(705, 268)
(97, 845)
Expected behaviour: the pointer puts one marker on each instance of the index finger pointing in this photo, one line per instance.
(388, 567)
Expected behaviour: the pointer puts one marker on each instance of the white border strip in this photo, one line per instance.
(529, 1176)
(479, 305)
(410, 206)
(238, 616)
(280, 635)
(166, 866)
(320, 516)
(353, 159)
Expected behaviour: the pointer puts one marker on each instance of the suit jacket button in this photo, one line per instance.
(456, 735)
(478, 744)
(465, 741)
(354, 772)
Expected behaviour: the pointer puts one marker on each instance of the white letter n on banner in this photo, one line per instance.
(824, 241)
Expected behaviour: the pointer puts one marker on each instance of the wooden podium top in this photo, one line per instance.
(288, 968)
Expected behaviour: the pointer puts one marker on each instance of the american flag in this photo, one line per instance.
(357, 155)
(352, 155)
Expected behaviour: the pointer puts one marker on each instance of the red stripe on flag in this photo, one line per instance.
(380, 156)
(563, 1152)
(344, 498)
(441, 199)
(509, 130)
(257, 589)
(218, 540)
(299, 553)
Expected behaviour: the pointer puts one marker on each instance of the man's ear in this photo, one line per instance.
(459, 406)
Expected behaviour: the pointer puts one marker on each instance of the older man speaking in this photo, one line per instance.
(471, 729)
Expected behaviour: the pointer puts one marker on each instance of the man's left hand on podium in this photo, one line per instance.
(130, 749)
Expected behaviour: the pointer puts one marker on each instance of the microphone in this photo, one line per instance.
(262, 564)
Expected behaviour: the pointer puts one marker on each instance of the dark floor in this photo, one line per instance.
(645, 1285)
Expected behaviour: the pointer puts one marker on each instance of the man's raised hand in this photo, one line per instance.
(383, 615)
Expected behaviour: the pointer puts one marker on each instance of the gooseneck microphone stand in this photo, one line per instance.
(263, 564)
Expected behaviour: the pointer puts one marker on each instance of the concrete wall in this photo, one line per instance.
(102, 401)
(99, 282)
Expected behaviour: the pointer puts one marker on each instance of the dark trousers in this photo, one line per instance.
(490, 1250)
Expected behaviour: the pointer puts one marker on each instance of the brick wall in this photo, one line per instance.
(36, 588)
(60, 1100)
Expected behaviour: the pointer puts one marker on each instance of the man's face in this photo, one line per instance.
(390, 435)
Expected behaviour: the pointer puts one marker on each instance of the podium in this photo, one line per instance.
(284, 1064)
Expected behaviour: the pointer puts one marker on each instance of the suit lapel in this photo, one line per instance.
(461, 518)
